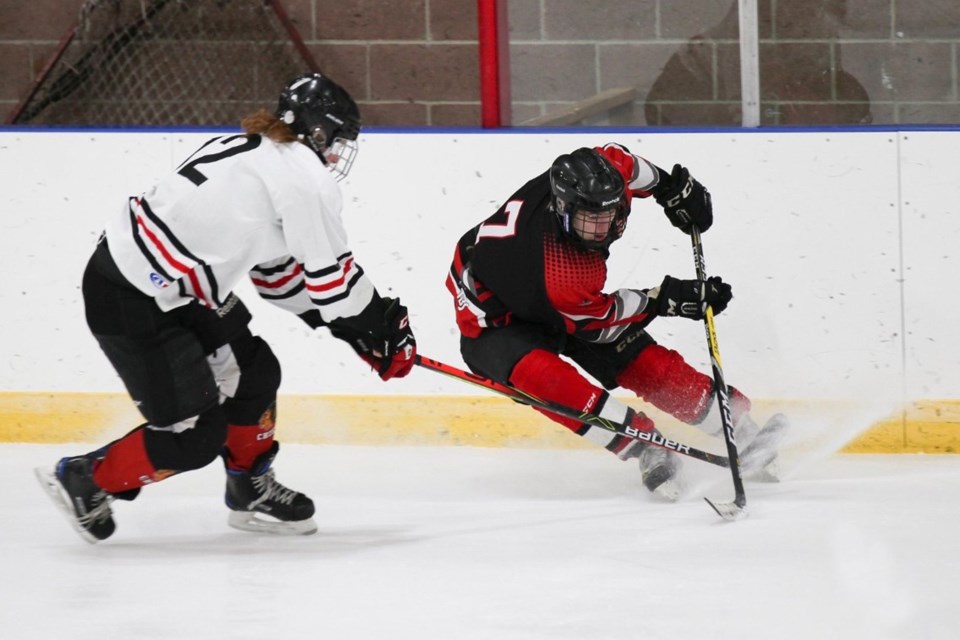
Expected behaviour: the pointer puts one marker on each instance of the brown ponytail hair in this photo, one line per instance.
(269, 125)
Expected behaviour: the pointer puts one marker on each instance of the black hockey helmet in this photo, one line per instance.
(588, 190)
(325, 118)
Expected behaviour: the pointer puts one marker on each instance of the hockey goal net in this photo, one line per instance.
(167, 63)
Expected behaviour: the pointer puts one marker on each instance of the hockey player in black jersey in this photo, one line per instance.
(264, 204)
(528, 288)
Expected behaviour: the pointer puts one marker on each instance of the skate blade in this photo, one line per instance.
(257, 523)
(58, 495)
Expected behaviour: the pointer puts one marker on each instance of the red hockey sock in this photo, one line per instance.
(245, 443)
(547, 376)
(739, 404)
(126, 466)
(663, 378)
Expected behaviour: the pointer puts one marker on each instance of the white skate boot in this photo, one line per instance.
(759, 456)
(659, 468)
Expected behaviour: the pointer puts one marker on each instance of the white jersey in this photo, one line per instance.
(242, 205)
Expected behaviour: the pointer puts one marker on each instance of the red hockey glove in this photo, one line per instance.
(689, 298)
(396, 367)
(389, 346)
(400, 347)
(685, 201)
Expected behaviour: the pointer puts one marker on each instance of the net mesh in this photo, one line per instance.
(167, 62)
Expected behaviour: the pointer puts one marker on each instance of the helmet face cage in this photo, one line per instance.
(339, 157)
(594, 230)
(589, 198)
(325, 118)
(594, 227)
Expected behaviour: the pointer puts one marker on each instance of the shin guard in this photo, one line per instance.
(663, 378)
(545, 375)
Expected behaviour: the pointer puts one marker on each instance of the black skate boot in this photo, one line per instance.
(759, 460)
(71, 487)
(659, 468)
(256, 493)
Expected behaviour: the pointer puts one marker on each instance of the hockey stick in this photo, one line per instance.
(594, 420)
(738, 508)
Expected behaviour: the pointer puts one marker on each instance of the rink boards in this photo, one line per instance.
(837, 244)
(927, 426)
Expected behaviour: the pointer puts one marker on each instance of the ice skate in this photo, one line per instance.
(259, 503)
(759, 460)
(659, 468)
(71, 487)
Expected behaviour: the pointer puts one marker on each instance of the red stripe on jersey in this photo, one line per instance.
(276, 284)
(198, 290)
(333, 284)
(179, 266)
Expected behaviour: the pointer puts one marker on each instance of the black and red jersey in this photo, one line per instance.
(518, 264)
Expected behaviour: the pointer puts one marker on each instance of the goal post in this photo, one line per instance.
(167, 63)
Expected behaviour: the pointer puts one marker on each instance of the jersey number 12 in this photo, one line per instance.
(211, 152)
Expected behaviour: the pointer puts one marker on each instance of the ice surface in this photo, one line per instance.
(469, 543)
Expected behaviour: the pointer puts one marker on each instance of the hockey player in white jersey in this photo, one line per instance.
(264, 204)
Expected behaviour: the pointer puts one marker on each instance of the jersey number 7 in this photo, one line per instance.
(506, 229)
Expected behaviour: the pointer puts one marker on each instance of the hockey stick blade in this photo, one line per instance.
(729, 511)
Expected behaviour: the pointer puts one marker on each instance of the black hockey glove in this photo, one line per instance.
(689, 298)
(387, 344)
(685, 201)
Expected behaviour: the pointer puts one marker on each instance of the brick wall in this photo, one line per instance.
(821, 61)
(414, 62)
(29, 32)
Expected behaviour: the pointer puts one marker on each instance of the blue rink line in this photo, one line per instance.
(508, 130)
